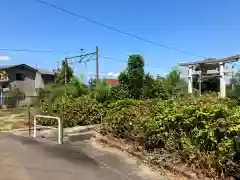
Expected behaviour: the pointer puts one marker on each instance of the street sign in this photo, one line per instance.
(3, 76)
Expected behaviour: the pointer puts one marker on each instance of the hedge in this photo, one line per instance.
(78, 111)
(204, 131)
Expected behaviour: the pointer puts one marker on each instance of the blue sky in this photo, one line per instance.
(207, 28)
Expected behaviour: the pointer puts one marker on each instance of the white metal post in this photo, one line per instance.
(190, 69)
(222, 81)
(34, 127)
(1, 97)
(60, 128)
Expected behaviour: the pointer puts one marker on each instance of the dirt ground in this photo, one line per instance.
(13, 119)
(143, 170)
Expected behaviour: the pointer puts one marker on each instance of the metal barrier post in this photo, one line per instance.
(60, 127)
(29, 122)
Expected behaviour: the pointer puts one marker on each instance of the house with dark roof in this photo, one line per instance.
(25, 78)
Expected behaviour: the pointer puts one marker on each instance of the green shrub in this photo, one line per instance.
(100, 91)
(123, 118)
(118, 92)
(204, 130)
(55, 92)
(199, 127)
(79, 111)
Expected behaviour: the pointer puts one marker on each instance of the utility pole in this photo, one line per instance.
(65, 90)
(97, 67)
(65, 72)
(82, 57)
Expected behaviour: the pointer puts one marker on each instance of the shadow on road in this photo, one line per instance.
(65, 151)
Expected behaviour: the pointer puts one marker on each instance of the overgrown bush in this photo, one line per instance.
(205, 131)
(99, 90)
(12, 97)
(154, 88)
(118, 92)
(79, 111)
(123, 118)
(55, 92)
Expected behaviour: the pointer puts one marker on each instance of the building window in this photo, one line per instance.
(20, 77)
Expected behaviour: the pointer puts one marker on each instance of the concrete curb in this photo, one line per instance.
(38, 128)
(142, 156)
(51, 133)
(82, 136)
(27, 129)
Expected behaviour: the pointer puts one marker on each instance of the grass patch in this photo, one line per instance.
(18, 112)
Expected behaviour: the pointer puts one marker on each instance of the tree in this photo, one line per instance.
(173, 82)
(233, 89)
(173, 77)
(99, 90)
(133, 77)
(13, 96)
(65, 73)
(76, 87)
(154, 88)
(55, 92)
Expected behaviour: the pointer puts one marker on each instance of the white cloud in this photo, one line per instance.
(117, 74)
(107, 74)
(110, 74)
(4, 58)
(93, 74)
(113, 74)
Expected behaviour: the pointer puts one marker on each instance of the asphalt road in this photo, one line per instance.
(23, 158)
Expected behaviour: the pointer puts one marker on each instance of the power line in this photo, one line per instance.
(35, 51)
(111, 58)
(118, 30)
(26, 50)
(78, 61)
(115, 59)
(81, 56)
